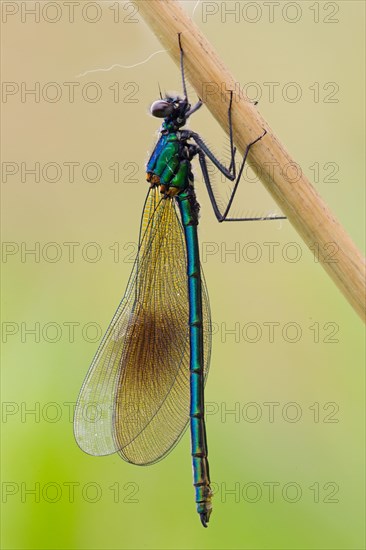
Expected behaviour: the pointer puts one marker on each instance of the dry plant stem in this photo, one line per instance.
(298, 200)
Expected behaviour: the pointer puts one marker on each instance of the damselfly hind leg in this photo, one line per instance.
(229, 173)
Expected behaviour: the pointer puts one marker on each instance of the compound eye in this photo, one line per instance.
(161, 108)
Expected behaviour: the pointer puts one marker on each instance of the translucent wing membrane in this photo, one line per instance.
(135, 398)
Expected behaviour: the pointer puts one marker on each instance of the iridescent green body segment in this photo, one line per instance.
(201, 475)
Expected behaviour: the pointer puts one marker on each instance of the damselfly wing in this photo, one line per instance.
(135, 399)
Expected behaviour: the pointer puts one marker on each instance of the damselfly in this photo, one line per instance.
(147, 378)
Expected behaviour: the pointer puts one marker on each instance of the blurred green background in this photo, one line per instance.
(288, 462)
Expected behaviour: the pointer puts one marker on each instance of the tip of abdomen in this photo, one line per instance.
(205, 516)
